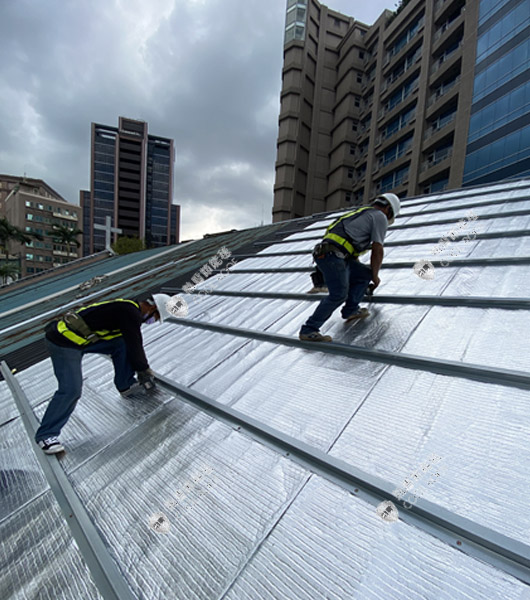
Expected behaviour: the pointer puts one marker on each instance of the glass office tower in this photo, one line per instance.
(132, 182)
(499, 128)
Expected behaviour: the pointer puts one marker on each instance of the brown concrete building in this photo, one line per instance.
(34, 206)
(368, 109)
(131, 181)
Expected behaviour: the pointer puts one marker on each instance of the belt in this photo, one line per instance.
(320, 250)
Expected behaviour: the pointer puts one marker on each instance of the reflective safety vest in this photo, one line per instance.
(81, 339)
(336, 232)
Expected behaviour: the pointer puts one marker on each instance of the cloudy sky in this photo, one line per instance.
(206, 73)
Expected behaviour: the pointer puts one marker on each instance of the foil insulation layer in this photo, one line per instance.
(215, 523)
(333, 546)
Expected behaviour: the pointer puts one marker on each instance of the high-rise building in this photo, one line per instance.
(34, 206)
(499, 129)
(131, 180)
(369, 109)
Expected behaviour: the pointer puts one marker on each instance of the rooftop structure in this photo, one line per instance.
(265, 465)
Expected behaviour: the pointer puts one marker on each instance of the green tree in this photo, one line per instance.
(126, 245)
(8, 269)
(62, 234)
(13, 233)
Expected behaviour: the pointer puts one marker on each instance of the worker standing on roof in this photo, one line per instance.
(112, 328)
(337, 256)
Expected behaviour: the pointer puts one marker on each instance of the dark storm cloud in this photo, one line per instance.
(205, 72)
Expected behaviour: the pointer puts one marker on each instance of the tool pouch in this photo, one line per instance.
(318, 251)
(78, 325)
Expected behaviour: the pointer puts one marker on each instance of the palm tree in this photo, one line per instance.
(8, 269)
(10, 232)
(62, 234)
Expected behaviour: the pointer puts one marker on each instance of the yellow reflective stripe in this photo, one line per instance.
(346, 216)
(343, 241)
(70, 335)
(104, 333)
(340, 240)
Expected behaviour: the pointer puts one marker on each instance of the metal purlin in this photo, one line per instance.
(451, 368)
(466, 262)
(483, 543)
(413, 242)
(107, 577)
(421, 213)
(513, 213)
(465, 301)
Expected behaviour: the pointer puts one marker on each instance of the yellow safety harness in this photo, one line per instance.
(340, 239)
(74, 328)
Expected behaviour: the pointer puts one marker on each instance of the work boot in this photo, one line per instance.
(318, 290)
(362, 313)
(315, 336)
(136, 390)
(51, 445)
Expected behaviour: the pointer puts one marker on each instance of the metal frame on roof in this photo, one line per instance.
(465, 262)
(513, 213)
(105, 572)
(412, 242)
(481, 542)
(493, 375)
(467, 301)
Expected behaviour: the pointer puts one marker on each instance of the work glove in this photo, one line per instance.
(147, 380)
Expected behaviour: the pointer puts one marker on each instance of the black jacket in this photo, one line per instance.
(113, 315)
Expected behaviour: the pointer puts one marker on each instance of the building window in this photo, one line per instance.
(350, 173)
(348, 196)
(357, 101)
(359, 78)
(361, 54)
(30, 270)
(29, 216)
(28, 203)
(352, 148)
(29, 256)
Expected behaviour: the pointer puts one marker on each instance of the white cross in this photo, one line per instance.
(108, 229)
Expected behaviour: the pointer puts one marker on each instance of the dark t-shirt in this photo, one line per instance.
(122, 316)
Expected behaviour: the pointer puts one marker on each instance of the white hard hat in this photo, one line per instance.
(393, 201)
(161, 300)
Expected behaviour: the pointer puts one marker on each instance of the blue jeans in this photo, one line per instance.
(67, 368)
(347, 281)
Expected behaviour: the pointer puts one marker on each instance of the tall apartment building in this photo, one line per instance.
(369, 109)
(131, 180)
(34, 206)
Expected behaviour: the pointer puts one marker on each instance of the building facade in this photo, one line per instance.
(34, 206)
(371, 109)
(499, 129)
(131, 180)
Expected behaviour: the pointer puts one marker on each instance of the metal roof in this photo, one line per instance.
(270, 459)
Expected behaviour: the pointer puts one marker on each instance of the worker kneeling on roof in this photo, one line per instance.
(337, 256)
(111, 327)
